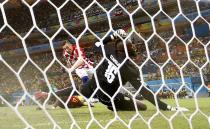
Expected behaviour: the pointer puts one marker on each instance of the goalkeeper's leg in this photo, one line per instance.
(150, 97)
(124, 103)
(131, 74)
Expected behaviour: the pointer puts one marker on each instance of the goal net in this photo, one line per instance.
(165, 41)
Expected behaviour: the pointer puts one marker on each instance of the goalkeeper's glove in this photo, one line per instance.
(119, 32)
(98, 44)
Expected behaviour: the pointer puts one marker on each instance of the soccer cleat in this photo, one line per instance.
(182, 109)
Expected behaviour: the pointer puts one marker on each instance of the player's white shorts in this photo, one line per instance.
(84, 72)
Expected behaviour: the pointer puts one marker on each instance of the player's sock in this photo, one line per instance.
(85, 79)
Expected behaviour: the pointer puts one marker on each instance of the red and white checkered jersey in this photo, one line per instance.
(72, 57)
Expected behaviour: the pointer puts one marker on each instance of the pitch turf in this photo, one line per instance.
(39, 120)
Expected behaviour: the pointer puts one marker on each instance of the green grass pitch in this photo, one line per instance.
(38, 119)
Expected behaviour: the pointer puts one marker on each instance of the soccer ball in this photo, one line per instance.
(76, 101)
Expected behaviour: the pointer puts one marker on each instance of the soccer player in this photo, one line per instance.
(82, 66)
(76, 62)
(108, 79)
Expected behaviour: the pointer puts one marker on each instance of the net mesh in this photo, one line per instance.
(172, 58)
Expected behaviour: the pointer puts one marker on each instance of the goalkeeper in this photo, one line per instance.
(108, 79)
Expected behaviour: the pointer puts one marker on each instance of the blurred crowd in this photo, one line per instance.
(198, 55)
(169, 94)
(31, 75)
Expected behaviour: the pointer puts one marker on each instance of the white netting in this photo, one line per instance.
(172, 45)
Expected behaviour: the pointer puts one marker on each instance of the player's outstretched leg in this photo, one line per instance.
(130, 73)
(124, 103)
(163, 106)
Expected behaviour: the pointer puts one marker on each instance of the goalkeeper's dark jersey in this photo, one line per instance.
(108, 74)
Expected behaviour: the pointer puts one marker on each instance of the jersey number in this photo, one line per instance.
(110, 73)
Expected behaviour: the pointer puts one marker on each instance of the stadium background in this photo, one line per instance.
(18, 16)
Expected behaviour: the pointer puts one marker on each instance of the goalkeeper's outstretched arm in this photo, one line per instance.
(112, 37)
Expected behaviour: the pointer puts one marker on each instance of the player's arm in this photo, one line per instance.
(77, 64)
(112, 37)
(67, 60)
